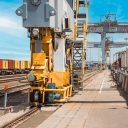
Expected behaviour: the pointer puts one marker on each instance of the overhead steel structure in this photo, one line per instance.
(107, 26)
(108, 45)
(112, 44)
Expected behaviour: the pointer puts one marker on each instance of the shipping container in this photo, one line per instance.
(124, 58)
(17, 64)
(27, 64)
(5, 64)
(1, 64)
(14, 66)
(22, 65)
(11, 64)
(127, 58)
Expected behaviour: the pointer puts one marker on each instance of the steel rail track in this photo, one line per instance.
(90, 75)
(26, 85)
(9, 76)
(32, 111)
(21, 118)
(15, 89)
(11, 79)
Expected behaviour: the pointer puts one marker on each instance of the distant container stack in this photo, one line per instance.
(14, 66)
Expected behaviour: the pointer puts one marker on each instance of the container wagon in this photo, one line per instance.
(14, 66)
(3, 66)
(123, 56)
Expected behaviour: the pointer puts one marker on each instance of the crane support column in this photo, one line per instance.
(50, 24)
(103, 39)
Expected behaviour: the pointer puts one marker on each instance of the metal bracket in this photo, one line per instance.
(22, 11)
(49, 10)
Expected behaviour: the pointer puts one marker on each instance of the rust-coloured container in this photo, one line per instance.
(1, 63)
(11, 64)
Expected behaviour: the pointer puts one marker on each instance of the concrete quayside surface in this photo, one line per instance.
(101, 105)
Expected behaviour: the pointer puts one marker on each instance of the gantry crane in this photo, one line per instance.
(52, 34)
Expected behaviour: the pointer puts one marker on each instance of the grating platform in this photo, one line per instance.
(100, 105)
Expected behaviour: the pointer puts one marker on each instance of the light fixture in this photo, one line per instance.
(35, 32)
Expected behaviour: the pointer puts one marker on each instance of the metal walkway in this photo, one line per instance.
(100, 105)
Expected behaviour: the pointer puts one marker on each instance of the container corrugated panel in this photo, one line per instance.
(127, 58)
(121, 56)
(17, 64)
(29, 64)
(26, 64)
(11, 64)
(22, 64)
(125, 55)
(122, 59)
(119, 61)
(125, 61)
(1, 63)
(5, 64)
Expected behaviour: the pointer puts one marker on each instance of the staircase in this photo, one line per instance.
(79, 51)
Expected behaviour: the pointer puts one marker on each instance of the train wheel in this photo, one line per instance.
(36, 96)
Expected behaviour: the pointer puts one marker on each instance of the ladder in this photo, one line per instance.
(79, 45)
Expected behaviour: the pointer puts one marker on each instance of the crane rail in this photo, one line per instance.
(20, 119)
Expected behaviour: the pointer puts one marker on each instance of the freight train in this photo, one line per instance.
(14, 66)
(123, 56)
(121, 60)
(120, 70)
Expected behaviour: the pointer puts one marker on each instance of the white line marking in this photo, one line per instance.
(101, 85)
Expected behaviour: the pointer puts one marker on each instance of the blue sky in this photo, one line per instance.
(13, 37)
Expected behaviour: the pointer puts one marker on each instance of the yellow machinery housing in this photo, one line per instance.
(46, 85)
(52, 33)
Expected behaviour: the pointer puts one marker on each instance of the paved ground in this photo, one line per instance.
(100, 105)
(39, 117)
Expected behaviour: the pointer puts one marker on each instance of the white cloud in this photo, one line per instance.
(12, 27)
(13, 53)
(6, 22)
